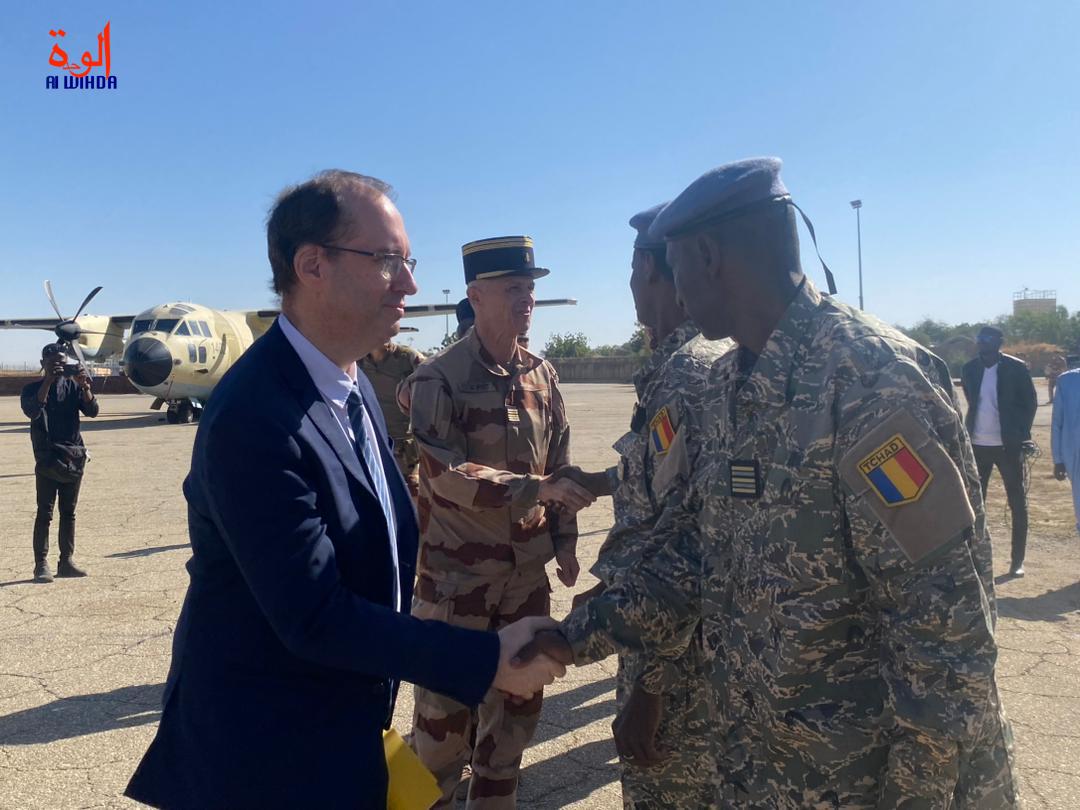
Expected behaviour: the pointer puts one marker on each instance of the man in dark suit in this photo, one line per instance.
(292, 639)
(1001, 409)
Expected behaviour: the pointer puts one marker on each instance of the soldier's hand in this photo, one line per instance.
(1060, 473)
(598, 484)
(55, 369)
(636, 726)
(551, 643)
(522, 679)
(585, 596)
(564, 495)
(83, 378)
(568, 568)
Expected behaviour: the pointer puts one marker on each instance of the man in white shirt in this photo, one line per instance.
(1001, 408)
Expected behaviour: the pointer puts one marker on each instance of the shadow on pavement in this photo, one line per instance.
(565, 712)
(142, 420)
(551, 779)
(1047, 606)
(18, 475)
(76, 716)
(16, 582)
(146, 552)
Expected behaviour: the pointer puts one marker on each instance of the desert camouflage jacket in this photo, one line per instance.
(486, 436)
(669, 386)
(385, 375)
(831, 549)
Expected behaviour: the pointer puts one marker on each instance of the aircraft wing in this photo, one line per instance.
(122, 321)
(29, 323)
(427, 310)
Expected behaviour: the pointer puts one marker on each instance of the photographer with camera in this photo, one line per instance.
(53, 406)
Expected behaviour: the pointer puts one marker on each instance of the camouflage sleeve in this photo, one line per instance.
(654, 607)
(913, 533)
(564, 531)
(443, 447)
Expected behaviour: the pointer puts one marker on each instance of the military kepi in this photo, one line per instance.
(500, 256)
(641, 222)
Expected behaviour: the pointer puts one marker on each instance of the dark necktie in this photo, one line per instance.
(368, 451)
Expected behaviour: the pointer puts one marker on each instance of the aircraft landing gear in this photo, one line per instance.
(183, 412)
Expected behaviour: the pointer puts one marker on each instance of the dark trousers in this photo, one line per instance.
(1010, 463)
(47, 490)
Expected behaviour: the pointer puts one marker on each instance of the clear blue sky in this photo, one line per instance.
(956, 123)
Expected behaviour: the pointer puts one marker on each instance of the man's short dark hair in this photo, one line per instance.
(310, 213)
(992, 331)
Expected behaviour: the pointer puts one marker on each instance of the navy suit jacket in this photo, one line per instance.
(288, 651)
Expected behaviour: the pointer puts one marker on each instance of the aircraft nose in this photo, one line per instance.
(147, 362)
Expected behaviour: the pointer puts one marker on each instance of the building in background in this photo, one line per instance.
(1039, 302)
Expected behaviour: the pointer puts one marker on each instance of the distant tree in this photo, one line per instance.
(448, 340)
(572, 344)
(639, 341)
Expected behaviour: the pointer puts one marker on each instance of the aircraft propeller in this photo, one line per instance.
(68, 330)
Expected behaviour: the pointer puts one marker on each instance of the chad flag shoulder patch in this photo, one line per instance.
(895, 472)
(661, 433)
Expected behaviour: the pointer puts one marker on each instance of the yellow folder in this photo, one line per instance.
(412, 786)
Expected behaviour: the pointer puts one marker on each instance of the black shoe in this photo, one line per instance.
(1017, 570)
(41, 572)
(67, 568)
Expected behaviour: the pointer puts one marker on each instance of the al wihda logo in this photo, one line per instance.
(78, 73)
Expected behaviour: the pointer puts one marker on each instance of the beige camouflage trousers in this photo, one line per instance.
(442, 727)
(687, 776)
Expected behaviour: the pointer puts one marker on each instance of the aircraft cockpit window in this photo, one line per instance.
(182, 329)
(166, 324)
(202, 354)
(142, 326)
(205, 329)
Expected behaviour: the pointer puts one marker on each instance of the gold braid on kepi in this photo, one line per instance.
(500, 256)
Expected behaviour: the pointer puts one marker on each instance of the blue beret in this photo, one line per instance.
(723, 192)
(464, 311)
(641, 223)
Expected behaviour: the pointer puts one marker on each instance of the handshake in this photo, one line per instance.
(570, 489)
(533, 652)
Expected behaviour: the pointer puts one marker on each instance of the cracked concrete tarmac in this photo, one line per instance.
(82, 662)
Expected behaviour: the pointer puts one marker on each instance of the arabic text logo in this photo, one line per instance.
(78, 73)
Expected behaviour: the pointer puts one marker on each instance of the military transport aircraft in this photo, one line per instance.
(176, 352)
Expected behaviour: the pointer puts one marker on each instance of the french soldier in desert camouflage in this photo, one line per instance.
(491, 428)
(829, 544)
(664, 741)
(386, 368)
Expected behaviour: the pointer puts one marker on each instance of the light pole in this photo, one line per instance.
(446, 296)
(857, 204)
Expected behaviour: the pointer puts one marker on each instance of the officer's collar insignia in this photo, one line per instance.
(745, 478)
(895, 472)
(661, 433)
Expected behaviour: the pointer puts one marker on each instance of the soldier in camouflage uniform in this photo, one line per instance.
(491, 428)
(841, 576)
(386, 368)
(671, 768)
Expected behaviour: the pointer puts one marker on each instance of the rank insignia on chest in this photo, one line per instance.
(745, 479)
(512, 414)
(661, 433)
(895, 472)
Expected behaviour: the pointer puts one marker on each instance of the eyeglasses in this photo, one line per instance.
(391, 263)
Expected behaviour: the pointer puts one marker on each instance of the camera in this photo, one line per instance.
(57, 353)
